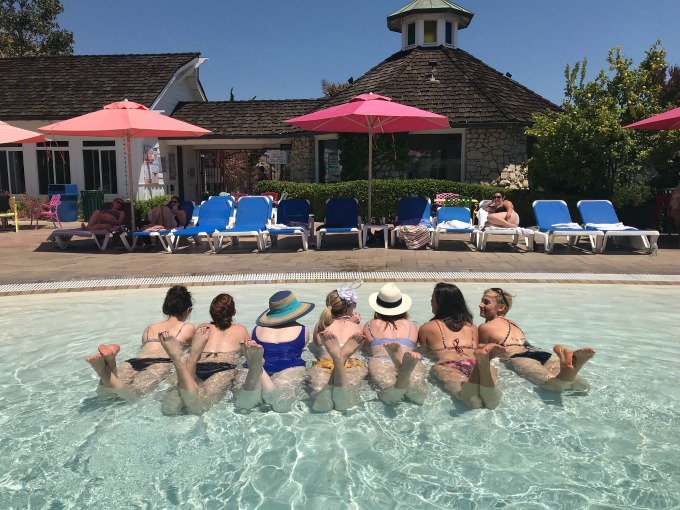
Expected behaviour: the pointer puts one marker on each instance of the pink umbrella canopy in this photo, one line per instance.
(126, 120)
(660, 122)
(370, 113)
(11, 134)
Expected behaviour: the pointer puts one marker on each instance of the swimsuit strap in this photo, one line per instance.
(369, 330)
(441, 331)
(510, 324)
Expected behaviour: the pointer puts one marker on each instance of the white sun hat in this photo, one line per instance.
(389, 300)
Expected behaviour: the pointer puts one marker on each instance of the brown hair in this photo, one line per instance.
(391, 320)
(222, 311)
(335, 307)
(501, 297)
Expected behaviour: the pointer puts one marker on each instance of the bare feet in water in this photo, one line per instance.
(330, 342)
(488, 352)
(109, 352)
(565, 355)
(572, 362)
(352, 345)
(395, 352)
(171, 346)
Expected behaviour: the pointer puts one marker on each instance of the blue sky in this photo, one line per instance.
(276, 49)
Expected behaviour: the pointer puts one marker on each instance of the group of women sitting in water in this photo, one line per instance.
(208, 360)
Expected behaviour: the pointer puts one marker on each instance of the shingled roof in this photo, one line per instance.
(469, 92)
(63, 87)
(245, 118)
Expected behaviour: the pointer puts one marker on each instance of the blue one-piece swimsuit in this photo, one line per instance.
(278, 357)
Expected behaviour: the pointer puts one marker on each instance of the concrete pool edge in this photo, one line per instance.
(13, 289)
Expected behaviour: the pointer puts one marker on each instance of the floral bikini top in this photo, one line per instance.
(456, 343)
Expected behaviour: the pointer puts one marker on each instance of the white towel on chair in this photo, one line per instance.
(565, 225)
(453, 224)
(608, 226)
(526, 232)
(281, 226)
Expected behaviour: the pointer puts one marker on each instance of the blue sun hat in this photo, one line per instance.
(283, 308)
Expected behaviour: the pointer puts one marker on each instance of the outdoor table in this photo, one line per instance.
(384, 227)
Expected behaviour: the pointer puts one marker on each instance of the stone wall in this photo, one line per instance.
(496, 156)
(302, 164)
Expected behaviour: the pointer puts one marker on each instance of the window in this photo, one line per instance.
(449, 33)
(100, 169)
(12, 172)
(411, 34)
(430, 35)
(435, 156)
(54, 167)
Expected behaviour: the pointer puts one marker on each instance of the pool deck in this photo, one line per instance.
(27, 258)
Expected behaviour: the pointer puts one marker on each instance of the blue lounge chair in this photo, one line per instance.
(294, 214)
(459, 215)
(600, 216)
(342, 217)
(213, 215)
(253, 214)
(413, 211)
(554, 220)
(162, 236)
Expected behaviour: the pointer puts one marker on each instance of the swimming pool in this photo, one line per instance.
(616, 447)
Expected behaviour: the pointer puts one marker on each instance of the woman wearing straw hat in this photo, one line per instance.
(337, 375)
(274, 355)
(394, 365)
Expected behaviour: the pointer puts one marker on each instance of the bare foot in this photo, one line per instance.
(408, 363)
(395, 352)
(254, 353)
(97, 362)
(83, 226)
(352, 345)
(565, 355)
(109, 352)
(201, 337)
(581, 356)
(489, 352)
(171, 346)
(330, 342)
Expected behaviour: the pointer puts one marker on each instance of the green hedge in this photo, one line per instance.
(386, 194)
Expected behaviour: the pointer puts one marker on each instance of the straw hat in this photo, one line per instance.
(389, 300)
(283, 308)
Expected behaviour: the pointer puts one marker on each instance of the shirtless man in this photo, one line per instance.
(555, 373)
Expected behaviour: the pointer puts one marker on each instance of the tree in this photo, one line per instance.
(331, 89)
(29, 28)
(585, 150)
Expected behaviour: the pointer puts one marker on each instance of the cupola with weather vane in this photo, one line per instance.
(429, 23)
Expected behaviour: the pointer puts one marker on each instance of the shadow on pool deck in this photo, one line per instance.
(28, 257)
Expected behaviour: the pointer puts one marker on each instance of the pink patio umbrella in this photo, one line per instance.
(11, 134)
(126, 120)
(370, 113)
(660, 122)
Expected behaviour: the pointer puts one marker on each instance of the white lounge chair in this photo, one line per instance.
(63, 236)
(482, 234)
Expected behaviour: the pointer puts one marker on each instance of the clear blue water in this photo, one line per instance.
(616, 447)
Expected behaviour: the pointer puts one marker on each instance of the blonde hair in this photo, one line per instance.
(335, 307)
(501, 297)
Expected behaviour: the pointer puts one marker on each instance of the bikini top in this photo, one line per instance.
(510, 325)
(183, 345)
(456, 343)
(112, 212)
(406, 342)
(501, 208)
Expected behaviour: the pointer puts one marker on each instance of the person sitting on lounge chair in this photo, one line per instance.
(555, 373)
(501, 212)
(106, 219)
(167, 217)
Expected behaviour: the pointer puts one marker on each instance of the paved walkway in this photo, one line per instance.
(28, 258)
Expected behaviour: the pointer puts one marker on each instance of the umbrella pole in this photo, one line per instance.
(370, 173)
(130, 179)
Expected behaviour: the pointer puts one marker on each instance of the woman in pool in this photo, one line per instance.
(209, 369)
(336, 376)
(451, 338)
(501, 212)
(141, 374)
(394, 365)
(276, 369)
(106, 218)
(556, 373)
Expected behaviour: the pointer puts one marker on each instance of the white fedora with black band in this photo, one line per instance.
(389, 300)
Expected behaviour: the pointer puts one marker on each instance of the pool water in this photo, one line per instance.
(615, 447)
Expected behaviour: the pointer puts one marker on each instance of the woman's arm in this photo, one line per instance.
(316, 338)
(509, 208)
